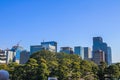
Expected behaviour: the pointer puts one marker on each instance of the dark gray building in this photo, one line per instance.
(24, 56)
(99, 56)
(35, 48)
(67, 50)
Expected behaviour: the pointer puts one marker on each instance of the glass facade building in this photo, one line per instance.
(17, 50)
(67, 50)
(52, 43)
(50, 46)
(109, 57)
(35, 48)
(98, 44)
(79, 51)
(87, 53)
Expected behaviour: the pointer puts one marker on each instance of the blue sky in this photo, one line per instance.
(69, 22)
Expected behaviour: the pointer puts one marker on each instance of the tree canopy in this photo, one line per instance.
(44, 64)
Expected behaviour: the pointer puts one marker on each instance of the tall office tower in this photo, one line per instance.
(24, 56)
(35, 48)
(17, 50)
(98, 44)
(67, 50)
(79, 51)
(105, 49)
(87, 53)
(109, 56)
(98, 56)
(52, 43)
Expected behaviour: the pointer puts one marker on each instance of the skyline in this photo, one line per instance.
(69, 22)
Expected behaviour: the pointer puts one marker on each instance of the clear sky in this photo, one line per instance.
(69, 22)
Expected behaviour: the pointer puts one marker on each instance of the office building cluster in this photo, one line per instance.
(15, 54)
(100, 52)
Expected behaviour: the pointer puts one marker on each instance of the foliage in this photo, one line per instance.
(113, 71)
(44, 64)
(101, 70)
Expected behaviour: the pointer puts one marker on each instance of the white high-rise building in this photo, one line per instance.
(6, 56)
(9, 56)
(2, 57)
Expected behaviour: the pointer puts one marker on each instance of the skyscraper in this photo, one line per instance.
(109, 56)
(79, 51)
(87, 53)
(98, 44)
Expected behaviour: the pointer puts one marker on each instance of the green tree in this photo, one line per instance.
(113, 71)
(63, 71)
(12, 67)
(118, 64)
(4, 66)
(85, 68)
(30, 69)
(75, 69)
(18, 73)
(101, 70)
(42, 71)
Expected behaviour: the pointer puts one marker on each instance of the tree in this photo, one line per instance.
(18, 73)
(101, 70)
(63, 71)
(75, 69)
(118, 64)
(85, 68)
(4, 66)
(42, 71)
(113, 71)
(12, 67)
(44, 64)
(31, 69)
